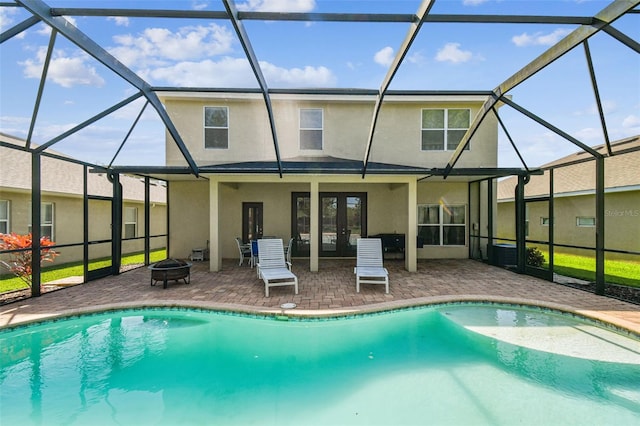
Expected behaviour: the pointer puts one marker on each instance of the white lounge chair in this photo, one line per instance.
(272, 267)
(369, 266)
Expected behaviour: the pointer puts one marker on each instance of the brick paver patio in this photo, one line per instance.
(329, 291)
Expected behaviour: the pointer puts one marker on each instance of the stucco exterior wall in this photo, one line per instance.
(622, 221)
(188, 217)
(397, 139)
(69, 219)
(386, 204)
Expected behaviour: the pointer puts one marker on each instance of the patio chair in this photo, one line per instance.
(287, 252)
(244, 249)
(272, 267)
(369, 266)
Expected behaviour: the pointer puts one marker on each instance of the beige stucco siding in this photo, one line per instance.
(397, 138)
(387, 210)
(188, 218)
(622, 221)
(69, 219)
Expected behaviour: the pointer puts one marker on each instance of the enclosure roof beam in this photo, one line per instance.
(551, 127)
(64, 27)
(17, 29)
(605, 17)
(257, 71)
(322, 17)
(423, 11)
(88, 122)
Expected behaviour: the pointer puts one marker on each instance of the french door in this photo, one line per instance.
(251, 221)
(343, 219)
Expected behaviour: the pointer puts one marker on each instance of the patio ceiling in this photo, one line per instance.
(423, 20)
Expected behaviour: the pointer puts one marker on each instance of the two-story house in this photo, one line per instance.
(310, 181)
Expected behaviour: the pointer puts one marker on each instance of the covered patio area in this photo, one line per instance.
(329, 291)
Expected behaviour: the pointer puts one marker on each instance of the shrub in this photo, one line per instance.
(20, 261)
(534, 257)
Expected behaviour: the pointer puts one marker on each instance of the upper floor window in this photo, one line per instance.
(216, 127)
(442, 225)
(47, 220)
(311, 129)
(443, 129)
(130, 222)
(4, 217)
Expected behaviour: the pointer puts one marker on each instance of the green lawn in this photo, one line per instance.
(51, 273)
(582, 267)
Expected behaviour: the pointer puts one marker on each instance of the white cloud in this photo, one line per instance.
(228, 72)
(539, 38)
(416, 58)
(67, 71)
(384, 56)
(451, 52)
(199, 5)
(6, 17)
(298, 77)
(473, 2)
(607, 105)
(236, 72)
(121, 21)
(588, 135)
(159, 46)
(631, 121)
(278, 5)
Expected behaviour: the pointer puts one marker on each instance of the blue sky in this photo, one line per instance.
(207, 53)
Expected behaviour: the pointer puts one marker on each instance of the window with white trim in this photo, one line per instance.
(443, 129)
(216, 127)
(585, 221)
(4, 217)
(311, 128)
(130, 222)
(47, 220)
(442, 225)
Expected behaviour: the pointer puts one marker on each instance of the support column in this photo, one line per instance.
(314, 193)
(521, 234)
(600, 281)
(411, 251)
(36, 232)
(215, 254)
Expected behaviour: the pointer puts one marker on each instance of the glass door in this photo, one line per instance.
(301, 224)
(342, 222)
(251, 221)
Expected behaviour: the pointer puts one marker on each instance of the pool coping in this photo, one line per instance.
(608, 321)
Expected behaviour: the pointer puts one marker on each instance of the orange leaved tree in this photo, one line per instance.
(19, 262)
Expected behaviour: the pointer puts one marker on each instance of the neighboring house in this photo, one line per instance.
(62, 204)
(323, 200)
(574, 201)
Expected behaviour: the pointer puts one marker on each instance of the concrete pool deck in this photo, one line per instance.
(330, 291)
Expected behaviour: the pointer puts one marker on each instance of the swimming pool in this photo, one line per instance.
(445, 364)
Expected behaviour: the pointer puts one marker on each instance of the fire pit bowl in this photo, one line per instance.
(170, 270)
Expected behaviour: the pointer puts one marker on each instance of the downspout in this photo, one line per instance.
(116, 225)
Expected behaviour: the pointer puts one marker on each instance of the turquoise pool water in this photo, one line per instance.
(444, 365)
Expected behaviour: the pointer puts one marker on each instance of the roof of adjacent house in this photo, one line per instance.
(575, 174)
(65, 178)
